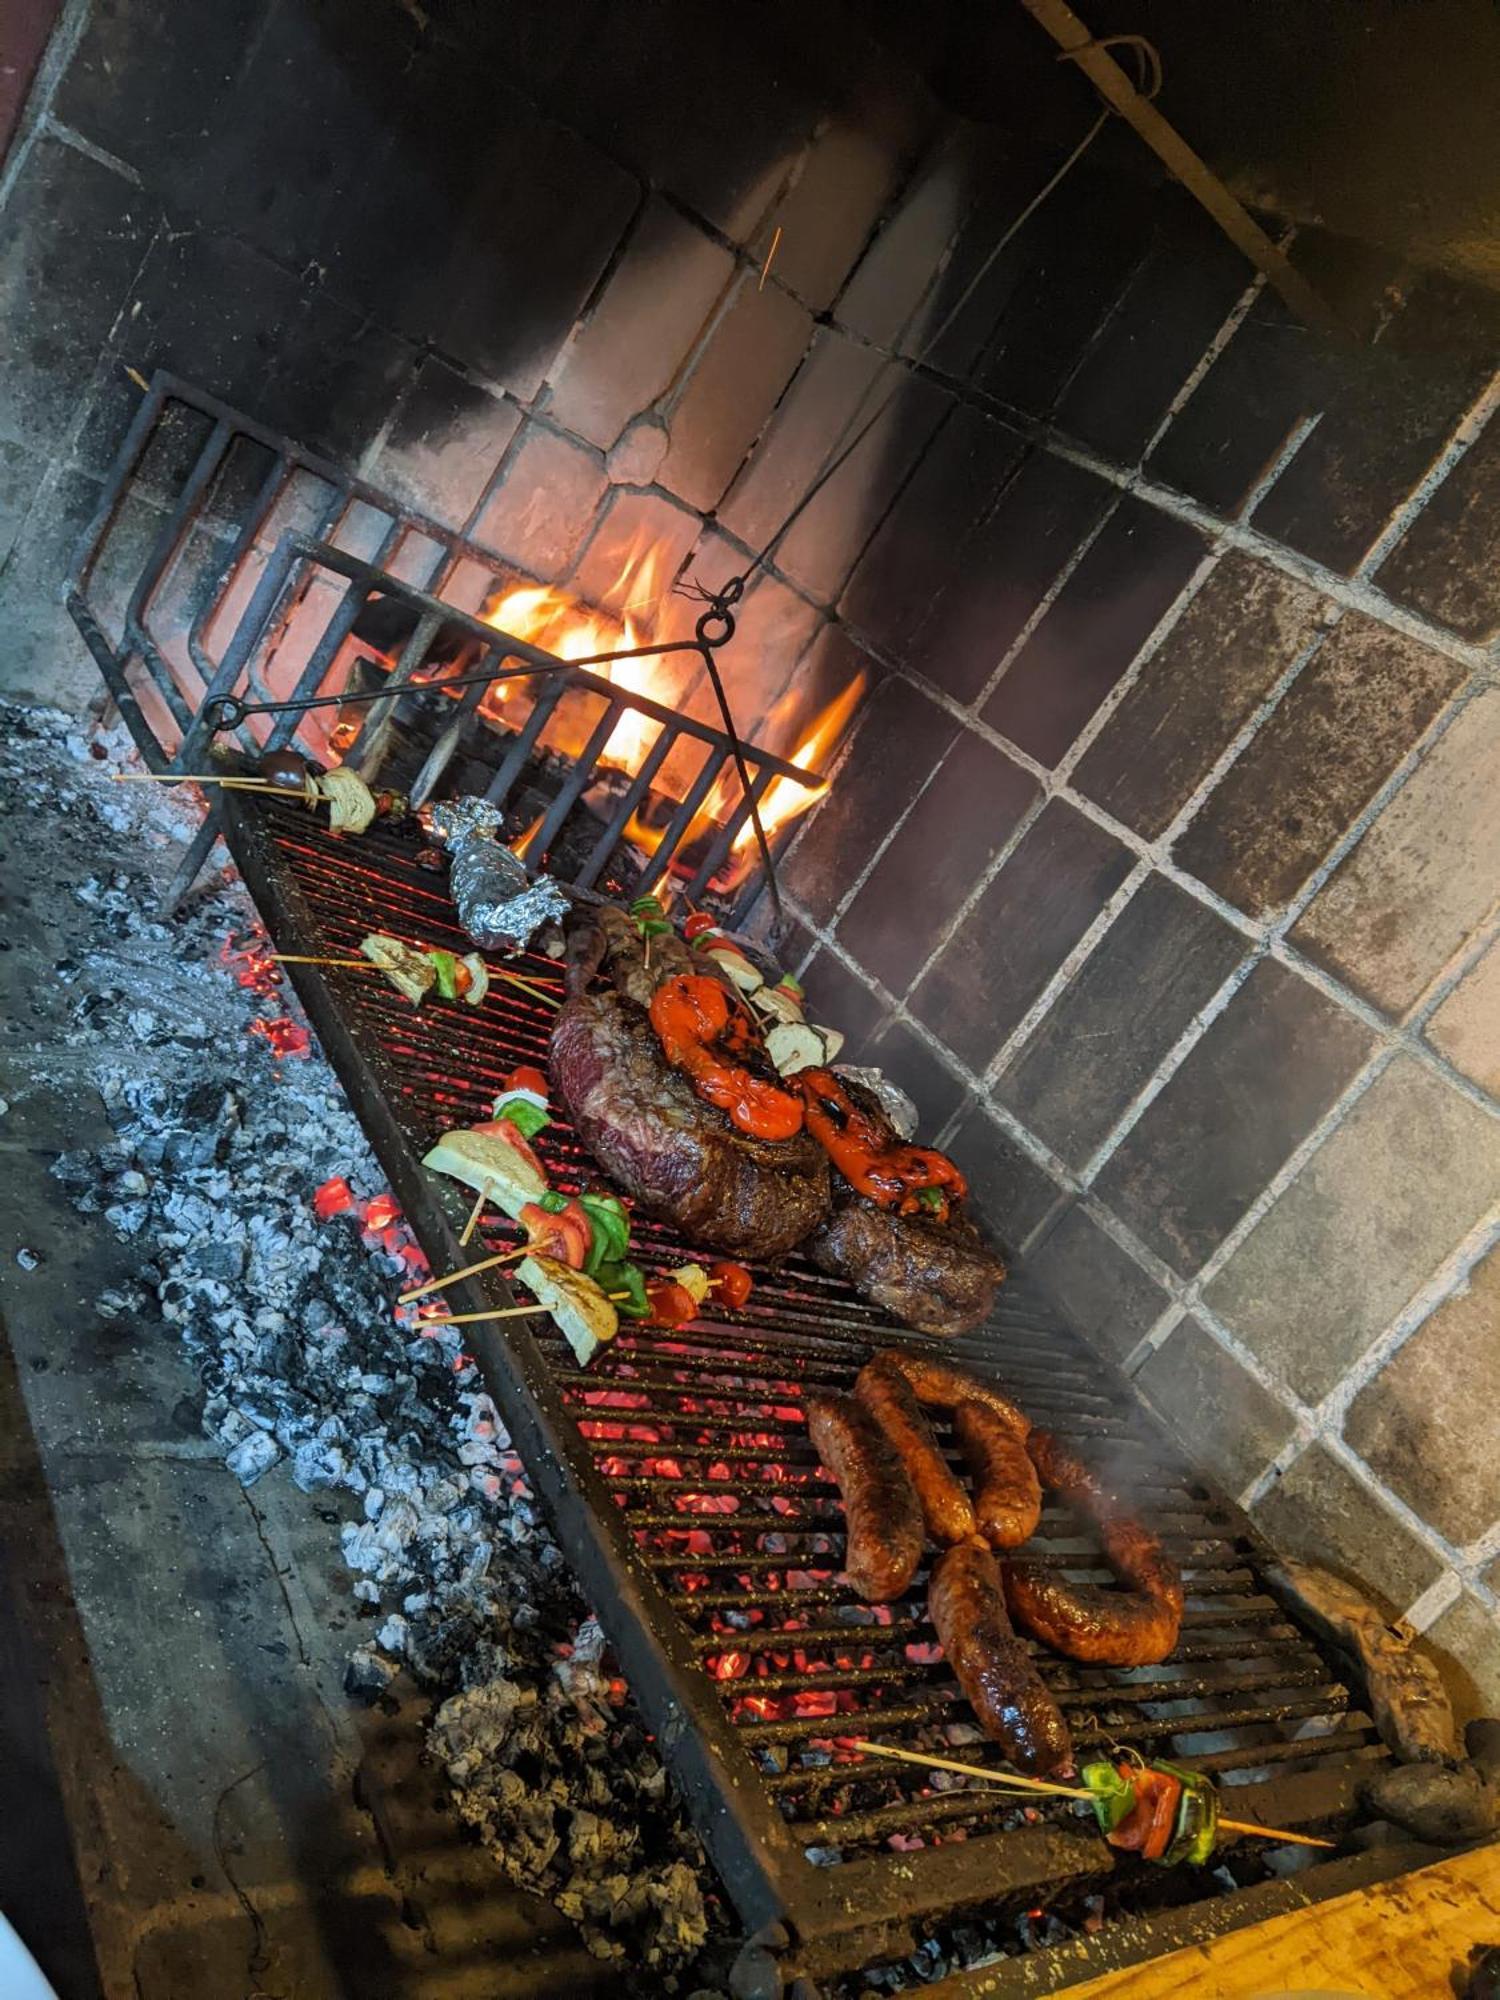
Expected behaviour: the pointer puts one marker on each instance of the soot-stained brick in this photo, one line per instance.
(1392, 405)
(897, 743)
(1241, 632)
(546, 217)
(1444, 564)
(920, 546)
(539, 514)
(1092, 631)
(1361, 1228)
(1012, 1196)
(1168, 313)
(734, 385)
(654, 307)
(1060, 876)
(1160, 961)
(1341, 729)
(1230, 1424)
(1244, 1097)
(1421, 880)
(1319, 1511)
(936, 856)
(57, 305)
(443, 448)
(1044, 508)
(1099, 1288)
(1425, 1423)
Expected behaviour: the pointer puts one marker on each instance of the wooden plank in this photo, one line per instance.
(1117, 90)
(1400, 1940)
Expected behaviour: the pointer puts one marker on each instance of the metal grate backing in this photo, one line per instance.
(680, 1478)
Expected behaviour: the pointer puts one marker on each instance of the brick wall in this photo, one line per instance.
(1163, 864)
(505, 260)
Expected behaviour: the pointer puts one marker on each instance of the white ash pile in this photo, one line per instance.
(228, 1124)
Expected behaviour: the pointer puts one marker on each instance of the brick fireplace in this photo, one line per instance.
(1160, 865)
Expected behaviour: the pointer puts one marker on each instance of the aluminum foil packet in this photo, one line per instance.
(891, 1098)
(499, 907)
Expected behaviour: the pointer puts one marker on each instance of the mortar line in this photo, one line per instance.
(62, 45)
(1102, 924)
(1044, 604)
(1469, 428)
(1233, 320)
(1439, 1596)
(1447, 1281)
(1192, 1033)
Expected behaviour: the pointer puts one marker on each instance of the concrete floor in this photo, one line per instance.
(173, 1644)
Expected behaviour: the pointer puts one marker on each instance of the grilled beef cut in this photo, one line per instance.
(940, 1277)
(680, 1158)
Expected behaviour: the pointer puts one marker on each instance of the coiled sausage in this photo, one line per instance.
(887, 1395)
(1007, 1492)
(881, 1516)
(994, 1669)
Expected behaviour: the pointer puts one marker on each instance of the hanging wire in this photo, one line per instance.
(1150, 75)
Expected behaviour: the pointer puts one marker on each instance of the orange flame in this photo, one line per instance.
(563, 624)
(784, 798)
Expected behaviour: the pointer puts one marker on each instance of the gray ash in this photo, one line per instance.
(227, 1123)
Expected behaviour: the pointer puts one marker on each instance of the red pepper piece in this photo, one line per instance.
(700, 1029)
(671, 1304)
(1148, 1827)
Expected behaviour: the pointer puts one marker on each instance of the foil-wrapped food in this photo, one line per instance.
(499, 906)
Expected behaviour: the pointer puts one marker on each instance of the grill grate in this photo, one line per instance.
(680, 1476)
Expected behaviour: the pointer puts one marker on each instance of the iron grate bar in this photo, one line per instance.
(1242, 1664)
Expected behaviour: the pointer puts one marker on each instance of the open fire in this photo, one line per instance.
(638, 609)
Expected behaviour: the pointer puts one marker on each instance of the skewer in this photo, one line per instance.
(538, 992)
(474, 1213)
(1009, 1781)
(468, 1271)
(236, 780)
(500, 1312)
(304, 958)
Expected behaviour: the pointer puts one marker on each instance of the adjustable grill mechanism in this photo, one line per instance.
(682, 1483)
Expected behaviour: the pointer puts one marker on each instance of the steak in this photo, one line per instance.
(940, 1277)
(937, 1277)
(680, 1158)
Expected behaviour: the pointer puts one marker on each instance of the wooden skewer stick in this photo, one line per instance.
(500, 1312)
(304, 958)
(538, 992)
(474, 1213)
(240, 781)
(468, 1271)
(1008, 1781)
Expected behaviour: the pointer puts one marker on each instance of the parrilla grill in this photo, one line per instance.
(682, 1482)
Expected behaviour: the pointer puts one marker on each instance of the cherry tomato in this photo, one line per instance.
(527, 1078)
(732, 1282)
(699, 922)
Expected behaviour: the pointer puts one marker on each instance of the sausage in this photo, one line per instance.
(1008, 1494)
(944, 1387)
(993, 1667)
(1134, 1627)
(887, 1395)
(881, 1514)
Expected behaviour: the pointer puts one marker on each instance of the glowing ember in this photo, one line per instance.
(283, 1035)
(381, 1212)
(250, 963)
(334, 1197)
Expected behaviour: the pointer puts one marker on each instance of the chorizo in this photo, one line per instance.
(992, 1666)
(1007, 1492)
(882, 1519)
(887, 1395)
(942, 1386)
(1133, 1627)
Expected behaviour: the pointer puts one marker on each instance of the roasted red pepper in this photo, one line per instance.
(1148, 1827)
(671, 1304)
(891, 1173)
(732, 1282)
(565, 1234)
(704, 1033)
